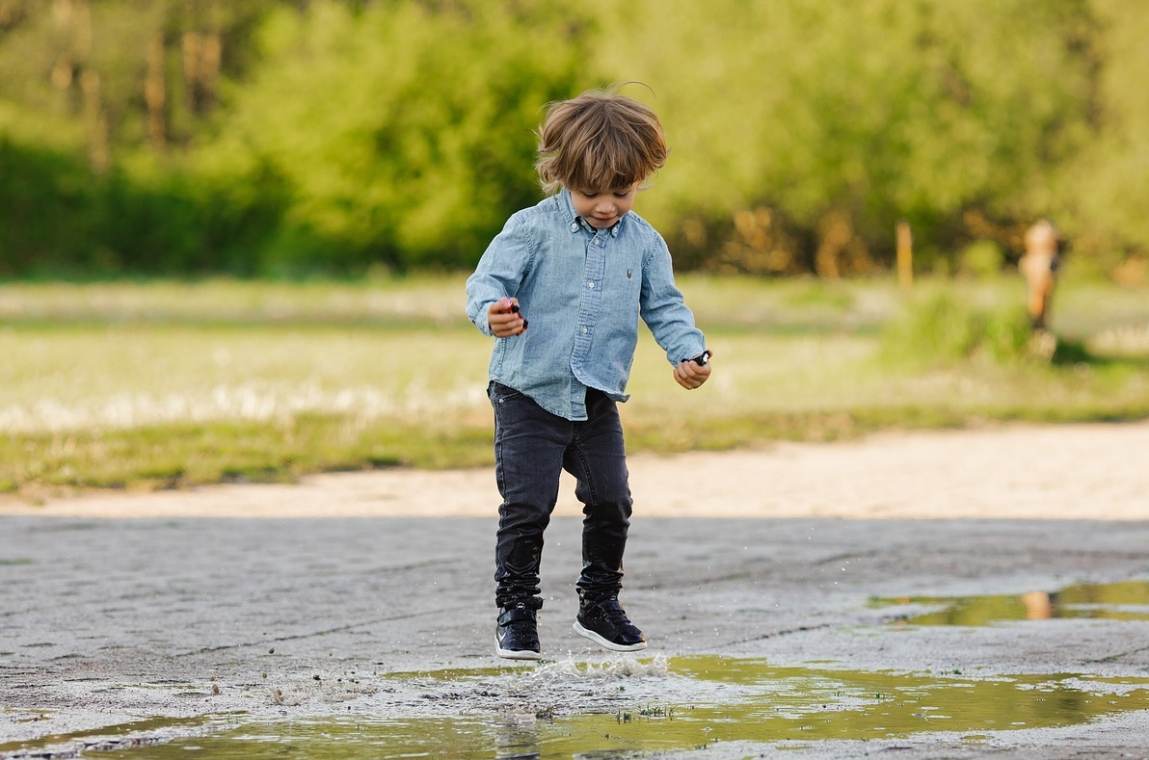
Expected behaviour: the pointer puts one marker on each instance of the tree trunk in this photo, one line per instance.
(202, 52)
(96, 121)
(155, 92)
(835, 232)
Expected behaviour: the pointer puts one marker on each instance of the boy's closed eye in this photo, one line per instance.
(601, 208)
(591, 194)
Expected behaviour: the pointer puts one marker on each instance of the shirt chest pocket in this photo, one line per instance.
(622, 276)
(623, 281)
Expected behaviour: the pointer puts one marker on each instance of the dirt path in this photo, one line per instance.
(1095, 472)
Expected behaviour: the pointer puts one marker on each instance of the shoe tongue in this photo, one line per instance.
(610, 607)
(516, 613)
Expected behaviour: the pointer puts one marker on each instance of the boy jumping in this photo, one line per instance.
(562, 288)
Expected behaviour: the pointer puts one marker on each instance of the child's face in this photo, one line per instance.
(602, 208)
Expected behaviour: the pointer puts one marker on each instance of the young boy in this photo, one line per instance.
(562, 288)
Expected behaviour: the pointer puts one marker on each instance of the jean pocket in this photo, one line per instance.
(499, 393)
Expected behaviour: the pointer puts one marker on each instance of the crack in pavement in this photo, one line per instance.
(324, 632)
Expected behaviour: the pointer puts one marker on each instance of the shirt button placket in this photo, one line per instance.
(591, 298)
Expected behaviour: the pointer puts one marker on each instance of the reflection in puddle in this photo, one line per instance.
(103, 738)
(1126, 600)
(731, 700)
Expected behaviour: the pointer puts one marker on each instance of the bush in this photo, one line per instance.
(939, 328)
(59, 218)
(982, 259)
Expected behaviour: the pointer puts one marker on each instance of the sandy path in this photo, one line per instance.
(1096, 471)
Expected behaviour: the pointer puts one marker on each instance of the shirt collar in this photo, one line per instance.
(576, 222)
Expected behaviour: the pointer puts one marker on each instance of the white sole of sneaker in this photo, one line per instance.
(587, 633)
(517, 654)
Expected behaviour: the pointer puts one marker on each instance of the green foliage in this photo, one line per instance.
(169, 384)
(981, 258)
(186, 455)
(402, 132)
(940, 328)
(883, 109)
(63, 219)
(282, 138)
(40, 189)
(1100, 195)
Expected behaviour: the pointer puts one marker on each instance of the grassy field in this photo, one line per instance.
(163, 384)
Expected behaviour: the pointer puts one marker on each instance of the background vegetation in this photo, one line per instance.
(299, 137)
(233, 235)
(167, 384)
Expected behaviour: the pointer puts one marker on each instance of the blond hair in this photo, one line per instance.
(599, 140)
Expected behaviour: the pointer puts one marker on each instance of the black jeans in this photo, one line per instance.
(532, 448)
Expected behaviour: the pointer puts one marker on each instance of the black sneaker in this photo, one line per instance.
(517, 635)
(606, 624)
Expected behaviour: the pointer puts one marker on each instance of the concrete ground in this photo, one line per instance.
(104, 623)
(117, 633)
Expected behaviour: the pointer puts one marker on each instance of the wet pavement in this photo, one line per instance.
(372, 637)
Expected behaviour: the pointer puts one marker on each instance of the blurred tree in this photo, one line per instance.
(104, 80)
(108, 66)
(402, 129)
(289, 136)
(1102, 193)
(844, 117)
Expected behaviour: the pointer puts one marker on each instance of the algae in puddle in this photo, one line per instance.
(760, 703)
(1124, 600)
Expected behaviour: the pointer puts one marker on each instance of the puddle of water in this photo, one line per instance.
(730, 700)
(107, 737)
(1125, 600)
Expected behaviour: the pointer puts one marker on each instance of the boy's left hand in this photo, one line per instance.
(690, 375)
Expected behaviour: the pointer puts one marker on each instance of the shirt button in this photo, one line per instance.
(590, 284)
(574, 227)
(582, 329)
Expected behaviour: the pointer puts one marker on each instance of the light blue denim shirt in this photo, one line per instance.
(582, 291)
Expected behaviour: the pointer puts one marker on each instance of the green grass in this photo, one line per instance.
(166, 385)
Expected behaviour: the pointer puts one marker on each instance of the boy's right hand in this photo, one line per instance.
(504, 321)
(692, 373)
